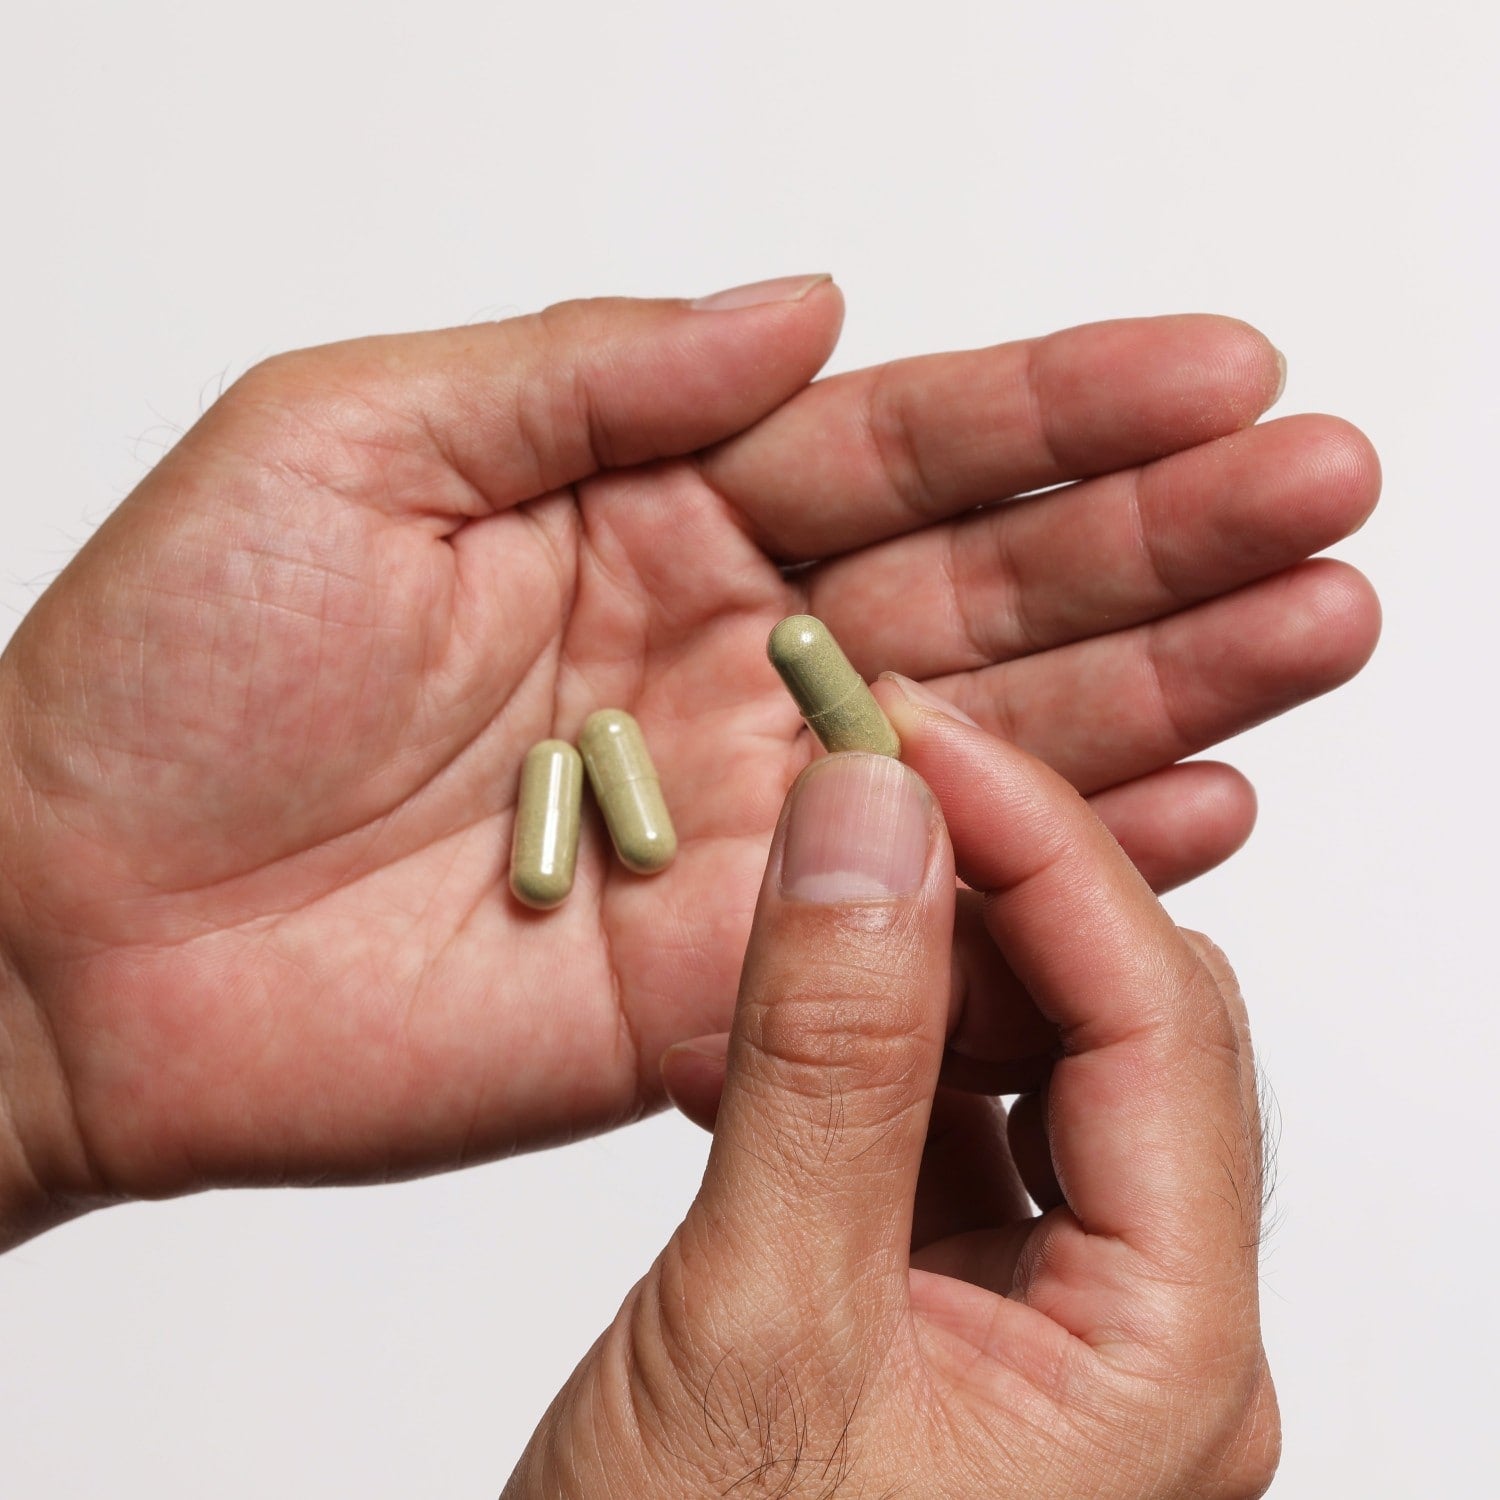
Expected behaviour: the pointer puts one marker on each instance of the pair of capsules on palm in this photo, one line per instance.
(549, 807)
(832, 697)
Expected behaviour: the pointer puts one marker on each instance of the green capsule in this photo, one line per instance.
(629, 795)
(544, 844)
(834, 700)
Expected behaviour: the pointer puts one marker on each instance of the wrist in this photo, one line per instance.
(44, 1180)
(46, 1176)
(25, 1200)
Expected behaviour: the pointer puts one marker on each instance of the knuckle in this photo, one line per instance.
(1253, 1454)
(564, 323)
(276, 404)
(567, 314)
(1209, 1429)
(1209, 999)
(1226, 1016)
(557, 414)
(276, 380)
(893, 443)
(1212, 957)
(1206, 1018)
(843, 1056)
(852, 1022)
(1234, 1433)
(368, 376)
(342, 405)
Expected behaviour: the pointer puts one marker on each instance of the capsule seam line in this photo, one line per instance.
(833, 708)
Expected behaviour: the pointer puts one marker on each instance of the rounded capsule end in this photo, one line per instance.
(649, 854)
(833, 697)
(540, 892)
(796, 638)
(603, 722)
(544, 751)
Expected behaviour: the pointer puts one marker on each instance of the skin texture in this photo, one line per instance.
(911, 1326)
(263, 735)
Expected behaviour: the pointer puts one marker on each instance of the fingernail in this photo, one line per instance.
(781, 289)
(924, 697)
(712, 1047)
(857, 830)
(1280, 375)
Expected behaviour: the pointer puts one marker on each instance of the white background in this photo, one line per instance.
(189, 187)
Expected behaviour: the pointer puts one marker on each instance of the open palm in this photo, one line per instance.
(265, 731)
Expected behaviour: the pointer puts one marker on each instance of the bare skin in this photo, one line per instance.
(263, 734)
(861, 1301)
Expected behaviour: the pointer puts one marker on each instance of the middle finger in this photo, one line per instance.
(1111, 552)
(1124, 705)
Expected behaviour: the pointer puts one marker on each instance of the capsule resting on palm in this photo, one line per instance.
(839, 708)
(628, 792)
(544, 843)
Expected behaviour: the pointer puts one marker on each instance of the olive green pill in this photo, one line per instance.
(629, 794)
(834, 700)
(544, 844)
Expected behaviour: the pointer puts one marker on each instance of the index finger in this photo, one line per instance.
(1148, 1131)
(876, 453)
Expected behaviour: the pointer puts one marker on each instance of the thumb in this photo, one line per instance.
(838, 1032)
(520, 408)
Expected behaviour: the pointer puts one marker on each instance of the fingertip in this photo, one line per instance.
(972, 772)
(799, 308)
(1180, 822)
(828, 300)
(774, 291)
(1205, 374)
(692, 1077)
(1251, 369)
(893, 703)
(1291, 637)
(1228, 797)
(1220, 794)
(916, 712)
(1342, 621)
(789, 321)
(1281, 371)
(823, 305)
(1297, 485)
(934, 733)
(1345, 467)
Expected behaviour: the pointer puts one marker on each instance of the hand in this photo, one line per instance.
(263, 734)
(859, 1301)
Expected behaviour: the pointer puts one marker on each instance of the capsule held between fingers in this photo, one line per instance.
(834, 699)
(544, 842)
(625, 783)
